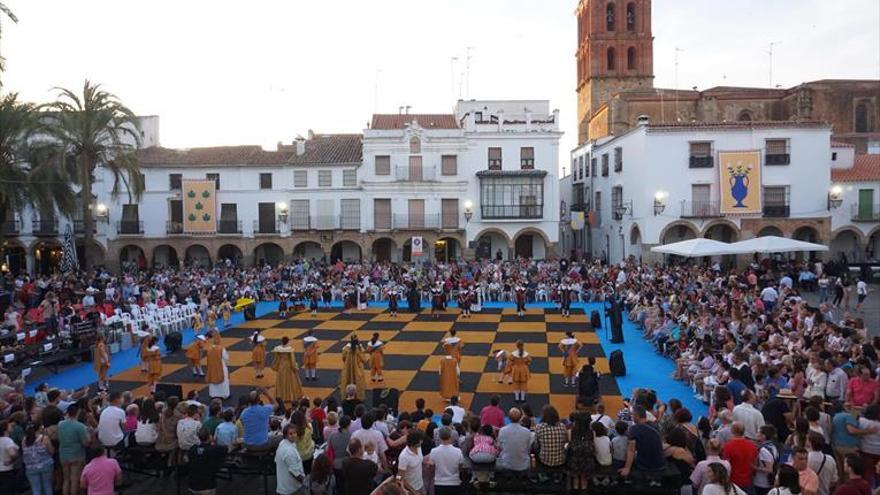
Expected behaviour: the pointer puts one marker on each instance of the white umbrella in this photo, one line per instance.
(695, 248)
(775, 244)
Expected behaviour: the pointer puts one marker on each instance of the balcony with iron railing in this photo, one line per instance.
(267, 228)
(700, 209)
(79, 226)
(425, 173)
(701, 161)
(173, 228)
(777, 159)
(11, 228)
(325, 222)
(865, 213)
(229, 227)
(776, 211)
(403, 221)
(511, 211)
(130, 227)
(44, 227)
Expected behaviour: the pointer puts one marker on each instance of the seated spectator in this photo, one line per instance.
(188, 428)
(550, 438)
(255, 422)
(357, 472)
(645, 450)
(445, 420)
(515, 443)
(147, 431)
(457, 411)
(101, 474)
(601, 444)
(492, 414)
(204, 462)
(226, 434)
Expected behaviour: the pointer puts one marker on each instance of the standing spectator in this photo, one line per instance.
(768, 460)
(168, 419)
(147, 431)
(458, 412)
(305, 444)
(112, 423)
(835, 387)
(351, 400)
(515, 442)
(368, 435)
(821, 463)
(288, 465)
(188, 428)
(807, 478)
(447, 460)
(869, 445)
(742, 455)
(745, 413)
(861, 294)
(719, 482)
(357, 472)
(702, 473)
(845, 433)
(204, 462)
(8, 455)
(645, 450)
(73, 438)
(550, 438)
(409, 464)
(787, 482)
(855, 484)
(338, 443)
(862, 389)
(322, 481)
(101, 474)
(37, 452)
(492, 414)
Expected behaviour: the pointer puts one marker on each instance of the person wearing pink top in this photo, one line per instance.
(492, 414)
(862, 389)
(101, 474)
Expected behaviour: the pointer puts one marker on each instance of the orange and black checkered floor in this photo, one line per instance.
(412, 352)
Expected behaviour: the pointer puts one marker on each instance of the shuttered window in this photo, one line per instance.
(494, 158)
(449, 165)
(325, 217)
(776, 146)
(701, 149)
(382, 214)
(416, 214)
(174, 181)
(300, 178)
(415, 168)
(527, 158)
(351, 214)
(349, 178)
(383, 165)
(299, 214)
(325, 178)
(450, 213)
(265, 181)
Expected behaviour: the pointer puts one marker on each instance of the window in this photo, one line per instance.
(215, 178)
(776, 201)
(527, 158)
(175, 182)
(349, 178)
(228, 219)
(415, 146)
(609, 17)
(351, 214)
(449, 213)
(325, 178)
(130, 223)
(383, 165)
(744, 116)
(299, 214)
(701, 154)
(593, 167)
(631, 58)
(494, 158)
(597, 207)
(382, 214)
(618, 159)
(300, 178)
(863, 122)
(512, 197)
(616, 202)
(630, 16)
(834, 156)
(478, 117)
(776, 152)
(265, 181)
(610, 56)
(449, 165)
(605, 165)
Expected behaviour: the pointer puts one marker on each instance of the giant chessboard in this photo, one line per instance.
(412, 353)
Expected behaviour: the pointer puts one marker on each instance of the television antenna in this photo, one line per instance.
(770, 53)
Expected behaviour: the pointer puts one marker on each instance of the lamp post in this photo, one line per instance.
(468, 210)
(102, 213)
(282, 211)
(835, 197)
(660, 202)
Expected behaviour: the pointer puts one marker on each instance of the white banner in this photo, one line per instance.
(417, 246)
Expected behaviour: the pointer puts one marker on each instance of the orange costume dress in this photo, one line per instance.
(153, 357)
(569, 347)
(449, 372)
(519, 367)
(142, 354)
(452, 346)
(377, 359)
(310, 352)
(102, 362)
(258, 354)
(194, 353)
(287, 383)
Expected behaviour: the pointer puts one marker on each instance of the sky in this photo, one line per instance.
(222, 72)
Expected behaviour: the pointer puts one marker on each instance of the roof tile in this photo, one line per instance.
(866, 168)
(400, 121)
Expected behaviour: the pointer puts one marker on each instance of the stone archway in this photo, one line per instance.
(770, 230)
(721, 230)
(268, 253)
(385, 249)
(530, 243)
(635, 242)
(230, 252)
(131, 256)
(677, 232)
(95, 252)
(165, 256)
(13, 257)
(309, 250)
(872, 249)
(806, 233)
(347, 251)
(447, 249)
(47, 256)
(490, 242)
(847, 241)
(198, 255)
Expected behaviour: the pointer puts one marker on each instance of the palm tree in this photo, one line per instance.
(95, 129)
(11, 16)
(30, 171)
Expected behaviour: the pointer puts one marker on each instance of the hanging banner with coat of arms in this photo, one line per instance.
(416, 245)
(577, 220)
(199, 206)
(740, 182)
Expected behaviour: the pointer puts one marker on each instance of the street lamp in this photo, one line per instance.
(468, 210)
(102, 212)
(660, 202)
(282, 211)
(835, 197)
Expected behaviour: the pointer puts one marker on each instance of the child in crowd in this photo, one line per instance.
(484, 450)
(131, 418)
(619, 445)
(601, 444)
(332, 425)
(226, 434)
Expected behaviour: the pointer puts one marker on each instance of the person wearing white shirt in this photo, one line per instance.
(188, 428)
(786, 282)
(458, 412)
(822, 464)
(111, 421)
(447, 460)
(409, 463)
(861, 294)
(835, 386)
(288, 464)
(769, 297)
(751, 418)
(603, 418)
(367, 434)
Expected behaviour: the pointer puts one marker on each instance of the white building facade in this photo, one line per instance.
(657, 184)
(481, 181)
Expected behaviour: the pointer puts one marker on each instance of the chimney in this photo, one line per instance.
(500, 120)
(407, 109)
(311, 134)
(643, 120)
(300, 145)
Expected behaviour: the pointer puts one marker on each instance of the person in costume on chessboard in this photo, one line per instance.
(437, 304)
(354, 358)
(258, 353)
(314, 297)
(287, 383)
(519, 367)
(211, 320)
(197, 323)
(465, 300)
(153, 356)
(452, 345)
(393, 297)
(282, 304)
(520, 298)
(194, 355)
(226, 310)
(450, 372)
(218, 368)
(502, 358)
(564, 293)
(375, 348)
(102, 362)
(310, 354)
(570, 363)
